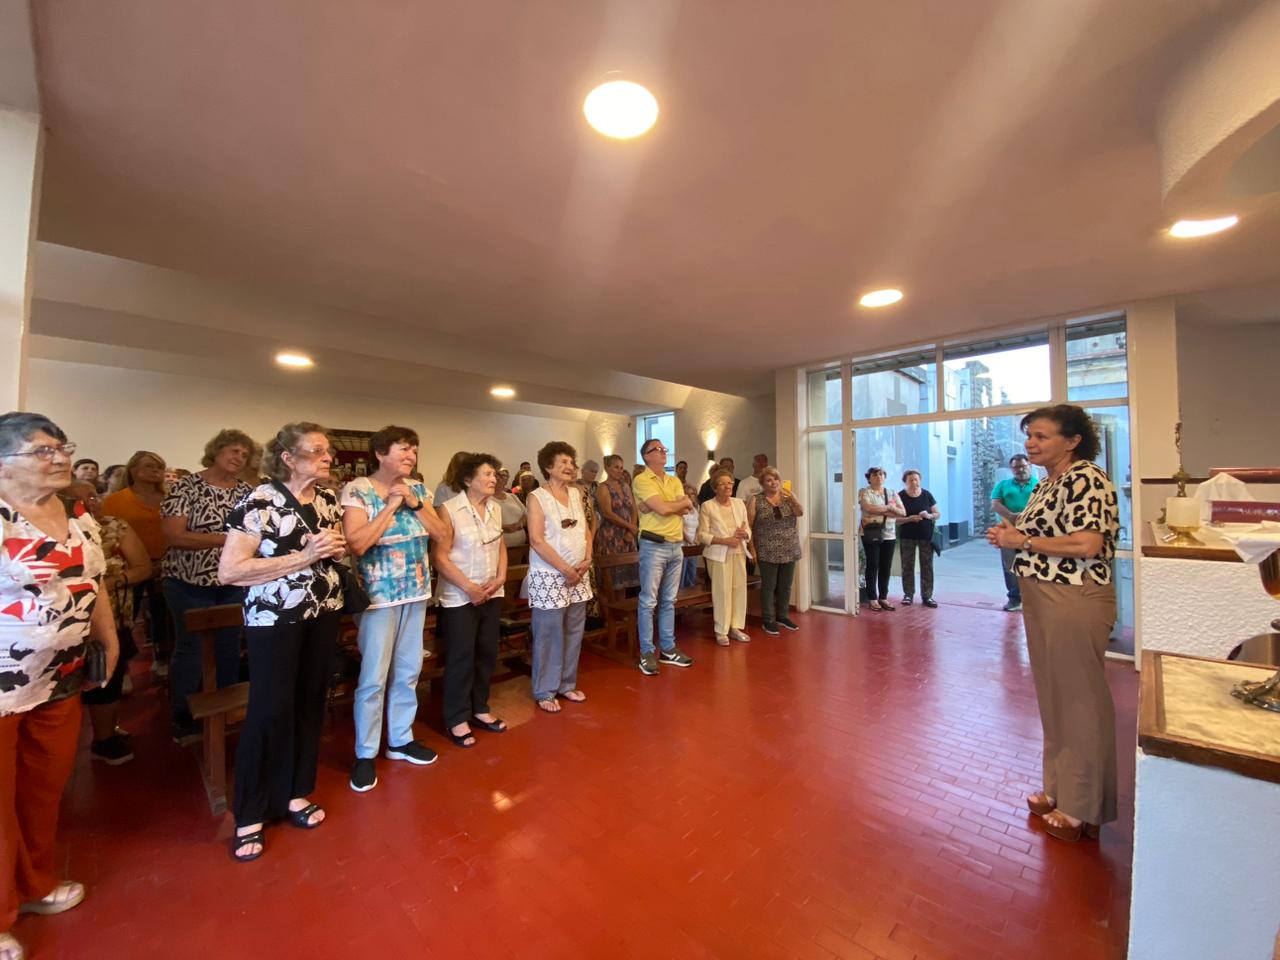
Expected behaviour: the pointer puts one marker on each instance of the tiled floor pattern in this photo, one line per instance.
(853, 790)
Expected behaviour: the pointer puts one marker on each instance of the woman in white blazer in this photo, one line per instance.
(723, 531)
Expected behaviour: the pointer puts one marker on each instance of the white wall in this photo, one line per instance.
(1206, 844)
(1227, 375)
(110, 412)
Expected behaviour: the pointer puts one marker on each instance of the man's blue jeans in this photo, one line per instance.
(660, 568)
(1011, 586)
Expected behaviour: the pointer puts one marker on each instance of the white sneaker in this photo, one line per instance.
(739, 636)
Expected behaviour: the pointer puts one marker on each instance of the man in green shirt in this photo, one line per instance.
(1008, 499)
(662, 502)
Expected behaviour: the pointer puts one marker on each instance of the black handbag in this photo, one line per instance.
(874, 531)
(355, 598)
(936, 541)
(95, 662)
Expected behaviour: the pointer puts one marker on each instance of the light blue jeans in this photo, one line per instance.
(390, 662)
(660, 567)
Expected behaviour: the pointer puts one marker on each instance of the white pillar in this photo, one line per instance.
(21, 142)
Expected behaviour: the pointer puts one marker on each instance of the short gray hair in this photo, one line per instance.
(17, 427)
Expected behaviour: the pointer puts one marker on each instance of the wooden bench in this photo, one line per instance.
(214, 708)
(620, 601)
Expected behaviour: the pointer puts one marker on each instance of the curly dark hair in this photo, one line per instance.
(1072, 421)
(472, 463)
(547, 456)
(380, 443)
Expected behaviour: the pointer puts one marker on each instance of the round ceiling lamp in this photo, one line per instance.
(1187, 229)
(620, 109)
(503, 393)
(298, 361)
(880, 298)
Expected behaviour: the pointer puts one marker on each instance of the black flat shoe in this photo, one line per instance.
(497, 726)
(302, 818)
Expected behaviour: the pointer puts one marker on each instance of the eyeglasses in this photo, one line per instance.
(483, 528)
(44, 452)
(658, 449)
(316, 452)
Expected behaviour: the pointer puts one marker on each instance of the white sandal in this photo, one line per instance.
(10, 948)
(64, 896)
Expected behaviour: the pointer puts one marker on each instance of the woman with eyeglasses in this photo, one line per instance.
(51, 570)
(283, 542)
(471, 558)
(775, 546)
(558, 585)
(135, 496)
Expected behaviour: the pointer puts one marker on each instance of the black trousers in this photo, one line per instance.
(909, 551)
(289, 668)
(470, 635)
(879, 566)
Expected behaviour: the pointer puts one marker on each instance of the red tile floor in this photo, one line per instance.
(853, 790)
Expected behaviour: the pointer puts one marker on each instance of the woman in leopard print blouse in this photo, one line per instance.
(1066, 540)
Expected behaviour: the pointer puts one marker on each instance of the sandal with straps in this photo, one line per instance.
(10, 948)
(63, 897)
(467, 739)
(302, 818)
(239, 842)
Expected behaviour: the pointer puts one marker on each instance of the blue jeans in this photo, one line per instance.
(390, 642)
(660, 568)
(185, 665)
(1011, 586)
(690, 576)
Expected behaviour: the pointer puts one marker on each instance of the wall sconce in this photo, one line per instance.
(711, 455)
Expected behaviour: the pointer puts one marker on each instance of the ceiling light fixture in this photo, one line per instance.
(621, 109)
(880, 298)
(296, 360)
(506, 393)
(1186, 229)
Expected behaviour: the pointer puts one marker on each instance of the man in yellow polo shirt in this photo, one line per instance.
(663, 503)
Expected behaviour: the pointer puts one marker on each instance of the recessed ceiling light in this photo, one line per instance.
(1185, 229)
(621, 109)
(506, 393)
(299, 360)
(880, 298)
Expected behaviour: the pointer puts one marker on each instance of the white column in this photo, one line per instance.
(21, 143)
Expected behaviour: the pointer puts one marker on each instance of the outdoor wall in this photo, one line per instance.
(111, 412)
(1227, 375)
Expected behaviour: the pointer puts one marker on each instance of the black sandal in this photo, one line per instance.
(302, 818)
(497, 726)
(240, 842)
(460, 739)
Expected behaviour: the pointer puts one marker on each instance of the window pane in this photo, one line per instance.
(828, 573)
(1113, 430)
(895, 386)
(824, 397)
(1097, 362)
(1122, 632)
(825, 504)
(998, 372)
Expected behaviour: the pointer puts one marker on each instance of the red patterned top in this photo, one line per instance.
(47, 593)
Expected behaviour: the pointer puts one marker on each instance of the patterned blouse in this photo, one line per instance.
(396, 569)
(612, 539)
(115, 564)
(272, 513)
(47, 594)
(546, 586)
(774, 532)
(205, 507)
(1082, 498)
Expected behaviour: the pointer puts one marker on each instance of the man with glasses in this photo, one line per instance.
(1008, 499)
(663, 504)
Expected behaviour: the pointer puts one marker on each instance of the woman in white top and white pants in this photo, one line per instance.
(471, 559)
(557, 584)
(723, 530)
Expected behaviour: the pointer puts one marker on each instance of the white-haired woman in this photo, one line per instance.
(283, 543)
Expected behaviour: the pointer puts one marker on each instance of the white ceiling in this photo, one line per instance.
(428, 162)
